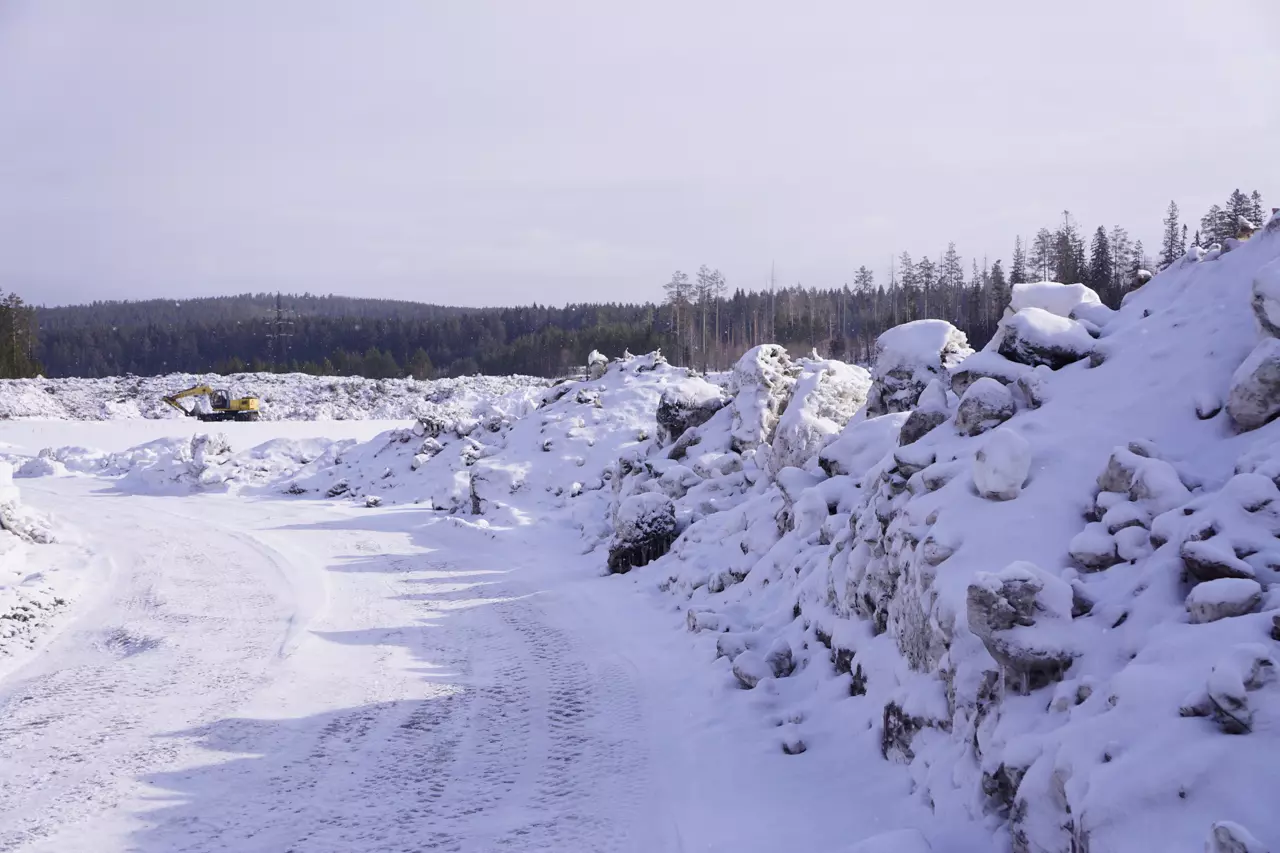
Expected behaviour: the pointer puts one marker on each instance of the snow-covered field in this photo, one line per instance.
(1022, 599)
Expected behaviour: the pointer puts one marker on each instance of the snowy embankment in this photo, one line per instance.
(1041, 578)
(284, 396)
(37, 578)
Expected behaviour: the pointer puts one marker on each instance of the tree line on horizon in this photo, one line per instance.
(701, 322)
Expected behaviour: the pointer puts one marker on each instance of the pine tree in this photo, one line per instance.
(678, 291)
(951, 272)
(1018, 268)
(1101, 263)
(1256, 213)
(1171, 248)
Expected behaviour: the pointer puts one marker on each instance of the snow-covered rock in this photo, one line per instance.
(760, 386)
(908, 358)
(685, 405)
(1254, 397)
(933, 408)
(985, 405)
(1223, 598)
(986, 363)
(1266, 299)
(644, 528)
(597, 364)
(824, 399)
(1034, 336)
(1051, 296)
(1001, 465)
(1229, 837)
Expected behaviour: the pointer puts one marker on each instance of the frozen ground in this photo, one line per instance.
(268, 675)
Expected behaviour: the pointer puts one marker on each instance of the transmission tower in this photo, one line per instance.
(279, 333)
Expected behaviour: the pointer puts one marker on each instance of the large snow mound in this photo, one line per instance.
(284, 396)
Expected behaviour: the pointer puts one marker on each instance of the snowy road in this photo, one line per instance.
(289, 676)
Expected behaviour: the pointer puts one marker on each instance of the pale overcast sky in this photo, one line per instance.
(483, 153)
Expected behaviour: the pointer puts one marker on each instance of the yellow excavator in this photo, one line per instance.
(222, 406)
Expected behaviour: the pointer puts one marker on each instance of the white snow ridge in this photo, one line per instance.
(1023, 599)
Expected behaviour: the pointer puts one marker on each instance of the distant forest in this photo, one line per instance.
(701, 322)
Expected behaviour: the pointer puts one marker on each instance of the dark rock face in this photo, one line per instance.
(643, 532)
(678, 413)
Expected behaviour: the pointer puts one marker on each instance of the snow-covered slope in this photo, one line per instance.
(1055, 602)
(285, 396)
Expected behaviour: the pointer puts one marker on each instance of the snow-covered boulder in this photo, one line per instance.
(1229, 837)
(644, 528)
(986, 364)
(750, 667)
(597, 364)
(985, 405)
(1094, 548)
(1051, 296)
(908, 358)
(1034, 336)
(686, 404)
(1254, 398)
(1223, 598)
(824, 399)
(1017, 597)
(933, 409)
(760, 386)
(1001, 465)
(1266, 299)
(862, 444)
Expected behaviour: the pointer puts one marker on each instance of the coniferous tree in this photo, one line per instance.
(1101, 264)
(1256, 213)
(1018, 266)
(1041, 259)
(1171, 247)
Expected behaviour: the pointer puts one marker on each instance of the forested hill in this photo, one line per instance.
(701, 322)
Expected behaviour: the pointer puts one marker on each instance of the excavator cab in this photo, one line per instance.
(220, 400)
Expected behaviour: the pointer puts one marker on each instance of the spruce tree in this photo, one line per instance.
(1170, 246)
(1100, 262)
(1018, 267)
(1255, 209)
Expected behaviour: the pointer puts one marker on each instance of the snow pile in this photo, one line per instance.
(507, 462)
(1067, 622)
(284, 396)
